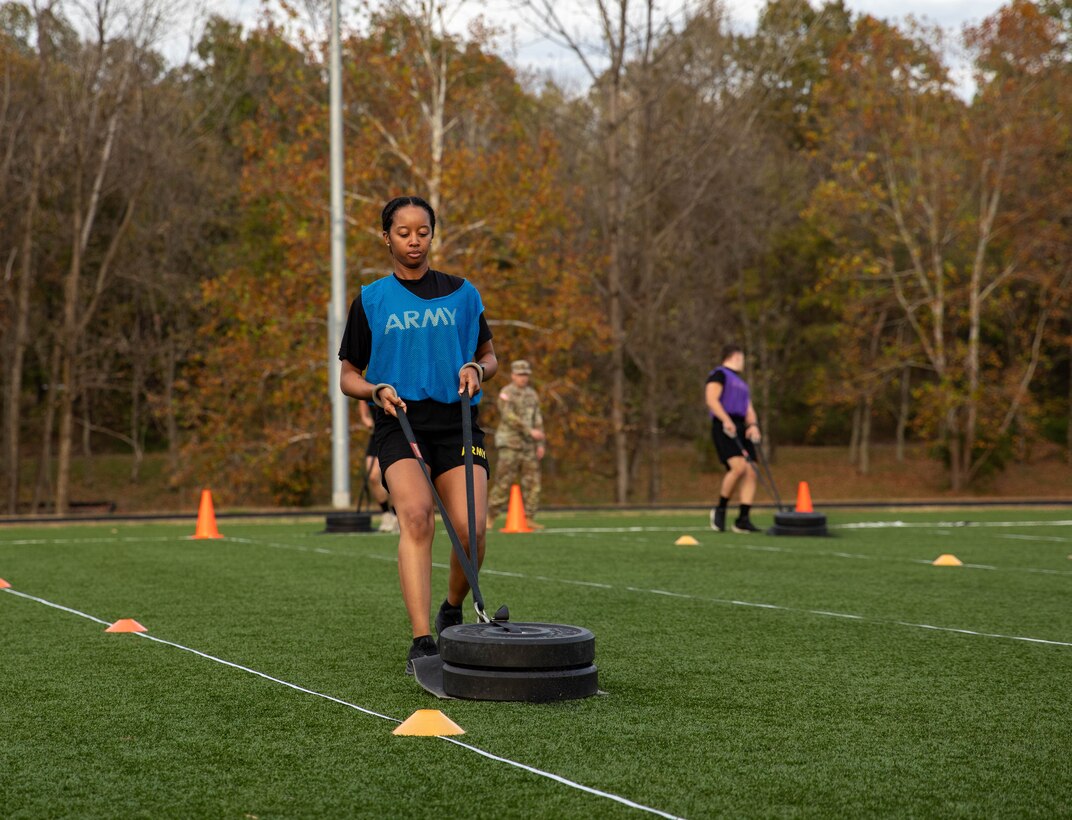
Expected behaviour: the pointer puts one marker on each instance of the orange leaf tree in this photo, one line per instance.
(425, 113)
(923, 193)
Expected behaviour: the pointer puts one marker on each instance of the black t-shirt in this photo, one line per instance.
(356, 347)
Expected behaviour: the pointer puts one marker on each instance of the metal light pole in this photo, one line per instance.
(340, 412)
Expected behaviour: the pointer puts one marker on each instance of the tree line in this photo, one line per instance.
(892, 250)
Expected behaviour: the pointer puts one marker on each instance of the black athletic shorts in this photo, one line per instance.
(727, 447)
(438, 429)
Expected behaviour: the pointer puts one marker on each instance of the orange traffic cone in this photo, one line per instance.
(4, 584)
(206, 518)
(804, 498)
(515, 513)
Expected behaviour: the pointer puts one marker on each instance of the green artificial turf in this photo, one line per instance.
(749, 676)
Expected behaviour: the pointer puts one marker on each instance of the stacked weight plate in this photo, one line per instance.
(798, 523)
(348, 522)
(518, 661)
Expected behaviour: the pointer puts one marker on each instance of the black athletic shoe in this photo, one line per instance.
(447, 616)
(744, 525)
(718, 519)
(423, 647)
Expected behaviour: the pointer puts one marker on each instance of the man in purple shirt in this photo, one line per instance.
(735, 432)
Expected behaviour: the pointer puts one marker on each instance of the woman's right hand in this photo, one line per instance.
(390, 401)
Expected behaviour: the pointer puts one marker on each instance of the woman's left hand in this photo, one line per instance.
(469, 381)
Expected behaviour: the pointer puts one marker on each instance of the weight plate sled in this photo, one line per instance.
(517, 646)
(348, 522)
(798, 523)
(528, 685)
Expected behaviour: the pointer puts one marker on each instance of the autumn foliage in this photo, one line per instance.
(885, 230)
(260, 395)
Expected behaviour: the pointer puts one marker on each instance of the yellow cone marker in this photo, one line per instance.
(126, 625)
(686, 541)
(428, 723)
(5, 585)
(947, 559)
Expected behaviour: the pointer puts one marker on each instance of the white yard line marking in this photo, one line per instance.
(859, 556)
(824, 613)
(132, 539)
(1055, 538)
(586, 530)
(870, 525)
(664, 593)
(864, 618)
(516, 764)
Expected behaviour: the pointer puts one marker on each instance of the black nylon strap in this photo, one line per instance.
(470, 492)
(767, 481)
(469, 566)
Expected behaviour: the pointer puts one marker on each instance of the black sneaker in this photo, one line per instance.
(447, 616)
(423, 647)
(718, 519)
(744, 525)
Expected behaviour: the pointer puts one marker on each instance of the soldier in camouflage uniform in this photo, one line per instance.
(519, 442)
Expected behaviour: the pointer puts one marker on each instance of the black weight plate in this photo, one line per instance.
(528, 685)
(797, 531)
(523, 646)
(800, 519)
(348, 522)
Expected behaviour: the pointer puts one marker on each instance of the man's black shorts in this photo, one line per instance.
(727, 447)
(439, 437)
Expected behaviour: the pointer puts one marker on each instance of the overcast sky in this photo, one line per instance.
(527, 50)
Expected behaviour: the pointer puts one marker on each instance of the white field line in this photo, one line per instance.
(592, 530)
(755, 605)
(743, 545)
(516, 764)
(323, 551)
(1058, 539)
(850, 616)
(22, 542)
(867, 525)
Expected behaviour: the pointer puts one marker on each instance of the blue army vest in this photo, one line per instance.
(419, 345)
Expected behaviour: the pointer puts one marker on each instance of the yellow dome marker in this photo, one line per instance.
(947, 559)
(428, 723)
(686, 541)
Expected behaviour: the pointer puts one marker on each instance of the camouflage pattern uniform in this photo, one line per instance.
(517, 462)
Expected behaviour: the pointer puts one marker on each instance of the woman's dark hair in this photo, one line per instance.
(729, 350)
(388, 215)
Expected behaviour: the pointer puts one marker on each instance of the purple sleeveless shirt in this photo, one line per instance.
(735, 393)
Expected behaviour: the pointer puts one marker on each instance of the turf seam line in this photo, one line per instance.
(491, 756)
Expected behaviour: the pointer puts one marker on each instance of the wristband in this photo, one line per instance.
(476, 366)
(376, 393)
